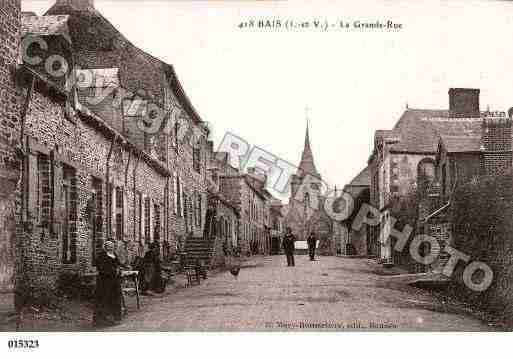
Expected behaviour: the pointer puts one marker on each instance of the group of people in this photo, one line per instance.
(108, 296)
(288, 246)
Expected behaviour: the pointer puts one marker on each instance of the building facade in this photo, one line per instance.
(10, 164)
(403, 165)
(225, 215)
(305, 212)
(250, 202)
(459, 161)
(354, 241)
(96, 161)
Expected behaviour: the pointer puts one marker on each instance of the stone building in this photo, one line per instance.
(223, 213)
(10, 164)
(108, 147)
(277, 227)
(147, 104)
(459, 161)
(352, 241)
(246, 193)
(84, 181)
(305, 212)
(402, 164)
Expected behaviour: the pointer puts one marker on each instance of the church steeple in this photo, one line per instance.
(307, 164)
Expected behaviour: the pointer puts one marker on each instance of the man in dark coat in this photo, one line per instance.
(108, 287)
(312, 241)
(288, 247)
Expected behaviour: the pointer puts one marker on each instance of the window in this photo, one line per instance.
(147, 219)
(197, 210)
(139, 217)
(444, 179)
(190, 203)
(96, 217)
(175, 195)
(118, 213)
(186, 211)
(215, 177)
(220, 227)
(43, 200)
(157, 227)
(196, 158)
(70, 196)
(307, 200)
(179, 197)
(175, 137)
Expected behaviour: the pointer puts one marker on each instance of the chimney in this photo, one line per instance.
(76, 4)
(464, 102)
(496, 145)
(496, 134)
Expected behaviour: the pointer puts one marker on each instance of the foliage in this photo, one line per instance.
(481, 217)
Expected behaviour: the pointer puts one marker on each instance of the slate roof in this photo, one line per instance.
(362, 178)
(359, 183)
(419, 130)
(98, 44)
(32, 24)
(307, 163)
(454, 144)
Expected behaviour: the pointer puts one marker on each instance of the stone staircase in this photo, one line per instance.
(202, 248)
(199, 248)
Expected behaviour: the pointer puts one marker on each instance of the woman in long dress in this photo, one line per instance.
(151, 271)
(108, 287)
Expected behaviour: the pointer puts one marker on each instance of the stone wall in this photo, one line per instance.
(76, 149)
(9, 134)
(226, 234)
(252, 208)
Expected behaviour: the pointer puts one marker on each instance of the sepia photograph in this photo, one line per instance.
(255, 166)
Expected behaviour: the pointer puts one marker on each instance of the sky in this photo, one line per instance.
(256, 83)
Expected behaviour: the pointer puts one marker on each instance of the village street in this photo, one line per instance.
(332, 292)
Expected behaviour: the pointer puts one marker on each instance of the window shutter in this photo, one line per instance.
(191, 213)
(32, 186)
(113, 210)
(195, 208)
(152, 221)
(200, 210)
(182, 198)
(175, 194)
(124, 215)
(143, 219)
(108, 210)
(56, 215)
(139, 216)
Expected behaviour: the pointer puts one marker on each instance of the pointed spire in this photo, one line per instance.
(307, 164)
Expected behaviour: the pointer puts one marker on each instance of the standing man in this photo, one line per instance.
(312, 241)
(288, 247)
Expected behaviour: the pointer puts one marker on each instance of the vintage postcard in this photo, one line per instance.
(261, 166)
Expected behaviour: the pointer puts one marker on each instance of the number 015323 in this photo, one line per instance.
(22, 344)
